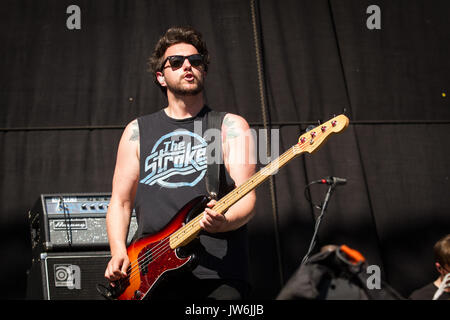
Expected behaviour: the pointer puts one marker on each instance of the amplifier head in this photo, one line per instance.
(62, 222)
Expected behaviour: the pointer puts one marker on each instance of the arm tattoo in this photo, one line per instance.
(135, 128)
(231, 132)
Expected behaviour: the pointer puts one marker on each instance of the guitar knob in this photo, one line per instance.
(138, 294)
(324, 128)
(313, 134)
(333, 123)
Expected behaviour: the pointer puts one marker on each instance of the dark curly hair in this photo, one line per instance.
(442, 251)
(174, 35)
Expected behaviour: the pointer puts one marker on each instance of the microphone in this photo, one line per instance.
(332, 181)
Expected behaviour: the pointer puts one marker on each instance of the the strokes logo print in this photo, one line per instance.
(177, 159)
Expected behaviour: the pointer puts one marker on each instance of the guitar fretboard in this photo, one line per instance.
(308, 142)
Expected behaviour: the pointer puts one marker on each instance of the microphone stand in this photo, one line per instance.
(318, 220)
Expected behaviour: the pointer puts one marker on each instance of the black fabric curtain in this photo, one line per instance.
(66, 96)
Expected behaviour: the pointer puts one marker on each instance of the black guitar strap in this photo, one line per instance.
(214, 153)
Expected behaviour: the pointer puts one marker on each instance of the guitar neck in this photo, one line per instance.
(189, 231)
(308, 142)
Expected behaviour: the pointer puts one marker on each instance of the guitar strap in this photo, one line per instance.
(214, 153)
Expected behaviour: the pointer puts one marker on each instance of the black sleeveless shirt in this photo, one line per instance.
(172, 172)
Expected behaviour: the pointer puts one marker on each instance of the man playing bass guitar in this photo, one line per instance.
(161, 166)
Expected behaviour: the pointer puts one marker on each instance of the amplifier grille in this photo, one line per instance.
(67, 276)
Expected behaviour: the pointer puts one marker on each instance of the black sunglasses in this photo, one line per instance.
(176, 62)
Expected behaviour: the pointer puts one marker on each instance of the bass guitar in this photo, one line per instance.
(156, 256)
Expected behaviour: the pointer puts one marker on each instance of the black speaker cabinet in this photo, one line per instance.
(67, 276)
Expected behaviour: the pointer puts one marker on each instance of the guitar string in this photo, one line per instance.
(161, 248)
(158, 249)
(164, 248)
(148, 258)
(135, 271)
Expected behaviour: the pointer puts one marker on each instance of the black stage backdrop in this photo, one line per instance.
(66, 96)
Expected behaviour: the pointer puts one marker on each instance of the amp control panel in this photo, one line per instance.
(79, 205)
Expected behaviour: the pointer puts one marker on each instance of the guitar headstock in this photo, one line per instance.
(313, 139)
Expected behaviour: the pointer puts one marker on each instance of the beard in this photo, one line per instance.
(179, 89)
